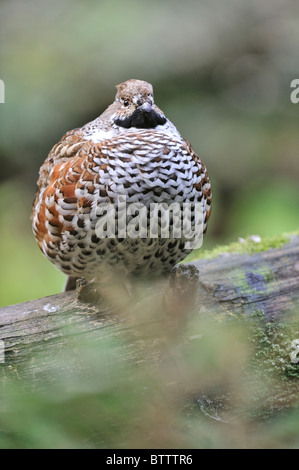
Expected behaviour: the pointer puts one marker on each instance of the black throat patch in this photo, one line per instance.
(142, 120)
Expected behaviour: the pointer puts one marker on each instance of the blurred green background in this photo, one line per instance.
(221, 71)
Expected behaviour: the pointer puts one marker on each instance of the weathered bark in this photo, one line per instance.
(228, 286)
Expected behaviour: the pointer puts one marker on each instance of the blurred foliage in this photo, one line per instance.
(221, 71)
(154, 381)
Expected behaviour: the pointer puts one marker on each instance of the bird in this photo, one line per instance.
(132, 155)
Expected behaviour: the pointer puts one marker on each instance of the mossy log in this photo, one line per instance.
(263, 286)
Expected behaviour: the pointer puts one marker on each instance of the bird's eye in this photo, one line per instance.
(126, 102)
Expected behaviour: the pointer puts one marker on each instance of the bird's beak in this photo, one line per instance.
(146, 107)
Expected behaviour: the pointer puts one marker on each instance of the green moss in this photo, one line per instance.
(271, 366)
(248, 247)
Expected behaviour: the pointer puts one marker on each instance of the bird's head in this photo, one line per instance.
(135, 106)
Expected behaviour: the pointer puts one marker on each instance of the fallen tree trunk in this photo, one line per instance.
(262, 286)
